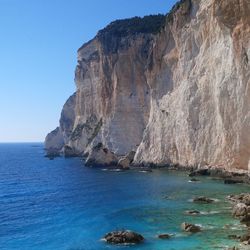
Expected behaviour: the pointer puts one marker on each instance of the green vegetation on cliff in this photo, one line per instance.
(132, 26)
(111, 35)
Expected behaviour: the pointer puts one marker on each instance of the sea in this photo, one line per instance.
(61, 204)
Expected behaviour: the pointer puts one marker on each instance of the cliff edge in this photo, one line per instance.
(173, 89)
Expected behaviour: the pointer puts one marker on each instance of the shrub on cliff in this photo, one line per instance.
(131, 26)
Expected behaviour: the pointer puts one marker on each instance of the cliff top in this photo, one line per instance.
(112, 34)
(132, 26)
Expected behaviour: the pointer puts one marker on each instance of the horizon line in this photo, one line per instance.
(1, 142)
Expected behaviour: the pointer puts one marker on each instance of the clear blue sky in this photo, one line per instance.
(39, 40)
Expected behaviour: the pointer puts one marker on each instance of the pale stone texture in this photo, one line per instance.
(203, 117)
(181, 96)
(54, 141)
(58, 138)
(101, 156)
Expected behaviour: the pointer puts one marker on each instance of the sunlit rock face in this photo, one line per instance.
(175, 91)
(113, 96)
(203, 114)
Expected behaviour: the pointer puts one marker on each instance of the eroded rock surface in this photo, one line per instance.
(174, 89)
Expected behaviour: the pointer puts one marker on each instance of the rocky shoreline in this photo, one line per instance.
(241, 211)
(240, 203)
(240, 208)
(101, 157)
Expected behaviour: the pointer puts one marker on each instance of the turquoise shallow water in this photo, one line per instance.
(60, 204)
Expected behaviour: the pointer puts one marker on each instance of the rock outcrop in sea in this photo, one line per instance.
(174, 89)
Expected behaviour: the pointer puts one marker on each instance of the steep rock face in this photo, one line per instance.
(54, 141)
(178, 94)
(204, 115)
(113, 96)
(58, 138)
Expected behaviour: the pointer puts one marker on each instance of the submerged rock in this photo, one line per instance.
(194, 180)
(123, 237)
(200, 172)
(234, 237)
(192, 228)
(232, 181)
(52, 154)
(202, 199)
(164, 236)
(193, 212)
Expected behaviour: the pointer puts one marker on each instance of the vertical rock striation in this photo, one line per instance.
(174, 89)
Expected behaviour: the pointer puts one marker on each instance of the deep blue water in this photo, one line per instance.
(60, 204)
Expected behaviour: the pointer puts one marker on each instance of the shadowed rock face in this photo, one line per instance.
(60, 137)
(178, 94)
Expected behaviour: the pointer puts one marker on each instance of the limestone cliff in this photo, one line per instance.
(175, 89)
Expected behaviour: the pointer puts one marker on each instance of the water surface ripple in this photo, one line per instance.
(60, 204)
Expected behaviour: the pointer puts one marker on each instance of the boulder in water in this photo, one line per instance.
(240, 210)
(202, 199)
(232, 181)
(194, 180)
(192, 228)
(164, 236)
(123, 237)
(193, 212)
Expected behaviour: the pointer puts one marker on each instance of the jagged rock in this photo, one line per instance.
(68, 151)
(246, 199)
(202, 199)
(123, 237)
(240, 210)
(101, 156)
(126, 161)
(240, 198)
(188, 227)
